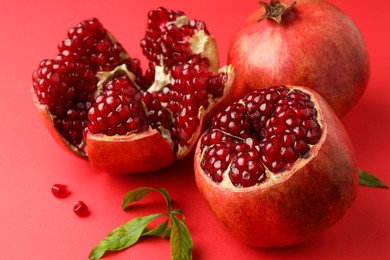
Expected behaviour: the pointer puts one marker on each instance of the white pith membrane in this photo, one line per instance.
(271, 177)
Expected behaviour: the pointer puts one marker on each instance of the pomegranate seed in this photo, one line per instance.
(60, 190)
(81, 209)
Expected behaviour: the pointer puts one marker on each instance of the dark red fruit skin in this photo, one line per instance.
(316, 45)
(47, 119)
(292, 211)
(141, 152)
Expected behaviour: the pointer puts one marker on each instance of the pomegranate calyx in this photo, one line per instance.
(275, 10)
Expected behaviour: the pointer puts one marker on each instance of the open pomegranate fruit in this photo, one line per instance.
(98, 104)
(277, 167)
(306, 43)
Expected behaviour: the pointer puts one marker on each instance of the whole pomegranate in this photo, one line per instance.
(277, 167)
(305, 42)
(98, 104)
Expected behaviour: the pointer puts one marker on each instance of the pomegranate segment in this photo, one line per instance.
(171, 37)
(90, 44)
(117, 109)
(67, 89)
(101, 105)
(270, 128)
(277, 167)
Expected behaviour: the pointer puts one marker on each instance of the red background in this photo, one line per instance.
(36, 225)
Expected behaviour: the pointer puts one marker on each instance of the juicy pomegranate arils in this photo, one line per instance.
(277, 167)
(96, 102)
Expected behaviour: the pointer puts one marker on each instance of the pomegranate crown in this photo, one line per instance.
(275, 10)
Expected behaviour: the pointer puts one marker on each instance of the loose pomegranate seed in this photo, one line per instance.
(270, 128)
(60, 190)
(81, 209)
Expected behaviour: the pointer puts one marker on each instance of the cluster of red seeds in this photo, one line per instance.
(167, 39)
(90, 44)
(68, 90)
(118, 109)
(67, 84)
(270, 128)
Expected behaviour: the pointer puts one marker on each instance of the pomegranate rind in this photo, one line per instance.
(132, 153)
(314, 195)
(47, 119)
(332, 58)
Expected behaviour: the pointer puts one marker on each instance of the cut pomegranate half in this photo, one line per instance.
(96, 102)
(277, 166)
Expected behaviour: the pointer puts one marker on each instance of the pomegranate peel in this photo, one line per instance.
(288, 206)
(132, 151)
(47, 120)
(312, 43)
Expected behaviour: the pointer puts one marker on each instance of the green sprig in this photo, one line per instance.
(370, 180)
(128, 234)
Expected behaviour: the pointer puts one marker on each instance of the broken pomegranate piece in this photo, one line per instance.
(276, 167)
(96, 102)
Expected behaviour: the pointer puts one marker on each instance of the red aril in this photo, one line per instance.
(305, 42)
(97, 103)
(60, 190)
(277, 167)
(80, 209)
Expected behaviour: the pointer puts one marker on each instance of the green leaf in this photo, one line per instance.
(123, 236)
(140, 193)
(163, 230)
(370, 180)
(181, 242)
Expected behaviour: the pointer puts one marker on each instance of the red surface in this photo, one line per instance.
(36, 225)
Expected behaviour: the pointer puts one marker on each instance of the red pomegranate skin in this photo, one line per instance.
(315, 45)
(313, 197)
(142, 152)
